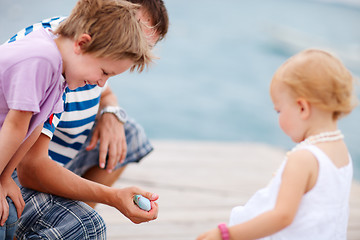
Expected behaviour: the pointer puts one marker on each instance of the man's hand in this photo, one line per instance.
(123, 201)
(111, 134)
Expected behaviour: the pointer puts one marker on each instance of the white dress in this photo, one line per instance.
(324, 210)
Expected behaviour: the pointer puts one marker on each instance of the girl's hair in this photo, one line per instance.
(158, 14)
(321, 79)
(114, 29)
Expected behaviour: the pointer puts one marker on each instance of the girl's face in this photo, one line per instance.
(87, 69)
(288, 109)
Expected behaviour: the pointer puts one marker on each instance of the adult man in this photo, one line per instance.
(48, 186)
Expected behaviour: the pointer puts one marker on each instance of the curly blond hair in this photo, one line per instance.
(320, 78)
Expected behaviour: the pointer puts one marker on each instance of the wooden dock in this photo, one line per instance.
(199, 183)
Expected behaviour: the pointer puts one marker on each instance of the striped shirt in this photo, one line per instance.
(69, 129)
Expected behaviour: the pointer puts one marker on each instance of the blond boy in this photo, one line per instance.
(87, 50)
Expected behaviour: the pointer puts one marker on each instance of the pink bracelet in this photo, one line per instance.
(225, 235)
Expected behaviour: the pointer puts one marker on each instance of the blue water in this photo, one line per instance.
(211, 81)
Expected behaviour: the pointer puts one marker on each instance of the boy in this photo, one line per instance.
(46, 57)
(154, 19)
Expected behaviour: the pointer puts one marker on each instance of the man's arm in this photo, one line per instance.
(37, 171)
(110, 132)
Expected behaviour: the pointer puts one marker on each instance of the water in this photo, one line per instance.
(212, 80)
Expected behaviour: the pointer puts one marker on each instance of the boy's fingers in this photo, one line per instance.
(152, 196)
(149, 195)
(19, 205)
(5, 213)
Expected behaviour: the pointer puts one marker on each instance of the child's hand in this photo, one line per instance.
(11, 190)
(4, 207)
(213, 234)
(123, 201)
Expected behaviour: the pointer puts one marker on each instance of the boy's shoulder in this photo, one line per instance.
(40, 38)
(38, 44)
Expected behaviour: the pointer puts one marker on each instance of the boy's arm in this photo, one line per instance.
(10, 188)
(12, 134)
(13, 149)
(110, 132)
(295, 179)
(37, 171)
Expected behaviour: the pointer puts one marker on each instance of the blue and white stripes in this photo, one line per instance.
(74, 124)
(69, 129)
(47, 23)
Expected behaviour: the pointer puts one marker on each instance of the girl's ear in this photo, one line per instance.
(81, 42)
(304, 107)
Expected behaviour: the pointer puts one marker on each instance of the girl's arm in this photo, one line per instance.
(297, 179)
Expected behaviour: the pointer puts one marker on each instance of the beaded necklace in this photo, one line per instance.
(321, 137)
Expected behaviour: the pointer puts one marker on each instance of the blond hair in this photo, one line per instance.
(114, 29)
(321, 79)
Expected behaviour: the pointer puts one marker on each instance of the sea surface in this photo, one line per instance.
(211, 81)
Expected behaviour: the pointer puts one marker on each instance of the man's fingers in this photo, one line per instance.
(123, 152)
(93, 141)
(103, 151)
(112, 157)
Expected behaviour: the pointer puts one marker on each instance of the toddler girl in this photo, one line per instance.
(308, 198)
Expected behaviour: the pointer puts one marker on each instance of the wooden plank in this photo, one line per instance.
(199, 183)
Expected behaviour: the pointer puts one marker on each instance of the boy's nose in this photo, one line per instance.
(102, 82)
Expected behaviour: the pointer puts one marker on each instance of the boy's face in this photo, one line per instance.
(88, 69)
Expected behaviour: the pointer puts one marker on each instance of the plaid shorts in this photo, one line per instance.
(47, 216)
(138, 146)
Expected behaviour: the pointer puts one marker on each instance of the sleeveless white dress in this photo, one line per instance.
(323, 212)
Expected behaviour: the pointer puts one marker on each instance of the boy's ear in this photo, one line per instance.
(81, 42)
(304, 108)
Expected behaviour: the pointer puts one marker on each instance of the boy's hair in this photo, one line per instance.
(114, 29)
(321, 79)
(158, 14)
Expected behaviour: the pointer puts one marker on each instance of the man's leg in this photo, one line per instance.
(48, 216)
(86, 163)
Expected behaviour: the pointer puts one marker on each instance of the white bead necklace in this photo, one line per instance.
(321, 137)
